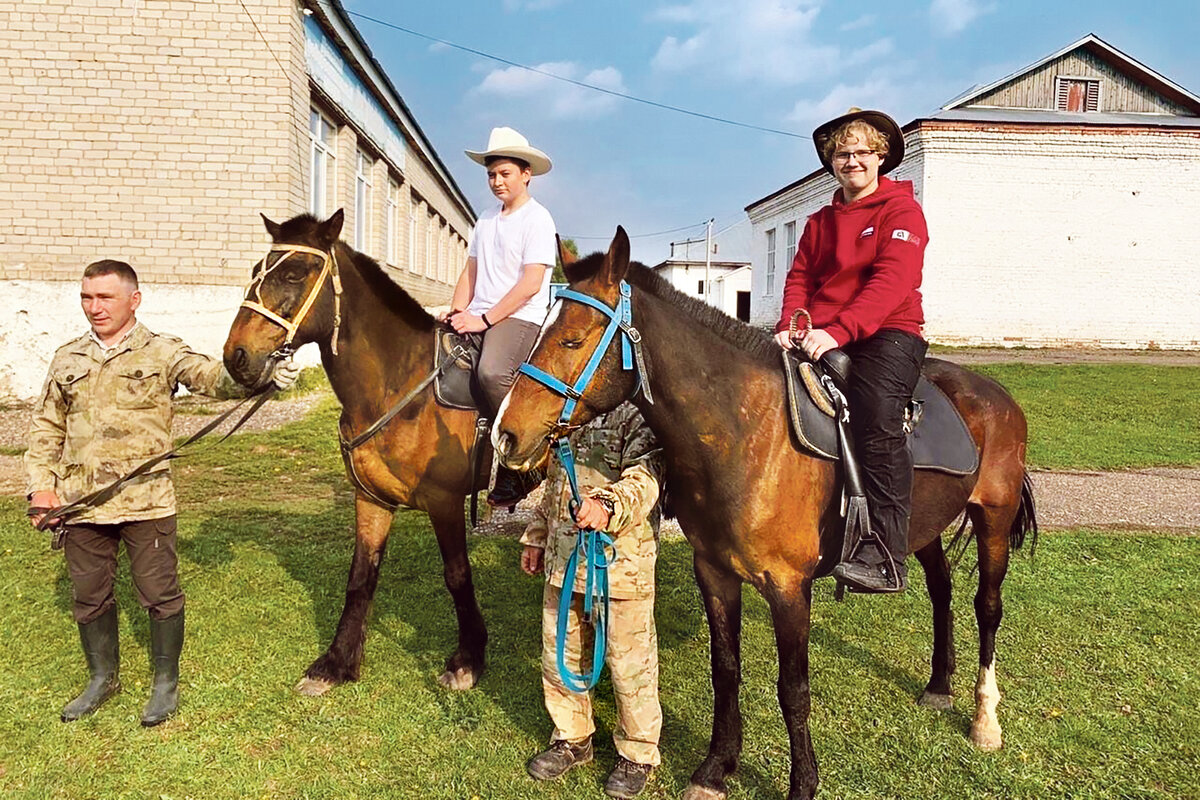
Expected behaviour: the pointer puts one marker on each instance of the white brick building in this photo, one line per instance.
(155, 133)
(722, 280)
(1061, 204)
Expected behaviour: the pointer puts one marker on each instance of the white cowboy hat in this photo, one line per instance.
(507, 142)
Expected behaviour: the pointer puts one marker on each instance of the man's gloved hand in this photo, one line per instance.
(285, 374)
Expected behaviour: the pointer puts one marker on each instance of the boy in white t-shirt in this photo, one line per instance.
(504, 289)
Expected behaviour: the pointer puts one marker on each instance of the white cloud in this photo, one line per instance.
(560, 100)
(875, 92)
(529, 5)
(951, 16)
(865, 21)
(766, 41)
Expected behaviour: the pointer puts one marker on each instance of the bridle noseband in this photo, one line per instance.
(329, 266)
(619, 319)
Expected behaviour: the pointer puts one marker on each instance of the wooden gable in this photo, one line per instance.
(1089, 75)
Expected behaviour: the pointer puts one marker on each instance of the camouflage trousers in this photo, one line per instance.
(632, 662)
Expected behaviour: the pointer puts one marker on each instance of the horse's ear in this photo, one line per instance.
(565, 256)
(273, 228)
(616, 263)
(328, 231)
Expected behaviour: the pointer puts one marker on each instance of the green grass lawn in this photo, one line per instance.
(1106, 416)
(1096, 662)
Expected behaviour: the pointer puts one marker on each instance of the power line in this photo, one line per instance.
(644, 235)
(266, 44)
(574, 82)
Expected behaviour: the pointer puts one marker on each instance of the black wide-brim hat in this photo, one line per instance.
(876, 119)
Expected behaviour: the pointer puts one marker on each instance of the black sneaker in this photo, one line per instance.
(871, 578)
(512, 487)
(627, 779)
(554, 761)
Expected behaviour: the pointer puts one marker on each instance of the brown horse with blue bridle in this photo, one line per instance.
(754, 505)
(400, 447)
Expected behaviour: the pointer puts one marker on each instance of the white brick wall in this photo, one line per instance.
(1041, 238)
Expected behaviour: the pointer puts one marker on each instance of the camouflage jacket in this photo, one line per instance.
(101, 414)
(616, 458)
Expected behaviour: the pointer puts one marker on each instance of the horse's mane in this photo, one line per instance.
(744, 337)
(302, 228)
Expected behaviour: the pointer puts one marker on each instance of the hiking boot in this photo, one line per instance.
(871, 578)
(554, 761)
(627, 779)
(166, 642)
(512, 487)
(102, 651)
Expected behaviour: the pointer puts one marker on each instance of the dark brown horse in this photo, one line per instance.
(753, 506)
(376, 346)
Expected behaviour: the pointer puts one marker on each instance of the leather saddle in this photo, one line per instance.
(455, 356)
(937, 434)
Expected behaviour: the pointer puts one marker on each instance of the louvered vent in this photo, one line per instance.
(1076, 94)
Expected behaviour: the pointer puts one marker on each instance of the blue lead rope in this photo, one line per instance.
(595, 548)
(598, 552)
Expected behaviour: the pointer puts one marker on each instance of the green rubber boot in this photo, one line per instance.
(166, 642)
(101, 648)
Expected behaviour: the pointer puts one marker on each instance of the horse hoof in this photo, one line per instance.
(695, 792)
(939, 702)
(313, 687)
(459, 680)
(988, 738)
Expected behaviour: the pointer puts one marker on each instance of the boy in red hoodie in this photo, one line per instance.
(857, 270)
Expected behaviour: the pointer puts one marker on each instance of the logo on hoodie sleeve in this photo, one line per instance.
(906, 236)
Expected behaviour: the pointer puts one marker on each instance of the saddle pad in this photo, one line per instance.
(939, 440)
(454, 387)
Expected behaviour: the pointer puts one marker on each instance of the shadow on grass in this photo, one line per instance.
(412, 606)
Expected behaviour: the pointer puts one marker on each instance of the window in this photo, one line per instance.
(391, 221)
(1076, 94)
(443, 261)
(789, 235)
(429, 265)
(363, 199)
(700, 288)
(321, 137)
(770, 276)
(412, 234)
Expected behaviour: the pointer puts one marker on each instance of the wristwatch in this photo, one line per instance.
(608, 504)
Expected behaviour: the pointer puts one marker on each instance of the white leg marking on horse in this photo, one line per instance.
(985, 728)
(311, 687)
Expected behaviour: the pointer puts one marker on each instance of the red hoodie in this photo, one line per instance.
(858, 266)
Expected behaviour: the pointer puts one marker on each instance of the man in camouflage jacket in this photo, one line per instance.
(619, 465)
(105, 409)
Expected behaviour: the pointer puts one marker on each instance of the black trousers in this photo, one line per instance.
(883, 374)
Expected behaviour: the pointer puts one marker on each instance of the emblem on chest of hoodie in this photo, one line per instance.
(867, 231)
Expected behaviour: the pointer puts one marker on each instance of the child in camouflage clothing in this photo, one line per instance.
(619, 466)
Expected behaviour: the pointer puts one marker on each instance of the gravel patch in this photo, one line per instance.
(1163, 499)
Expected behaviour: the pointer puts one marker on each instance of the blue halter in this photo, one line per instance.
(595, 548)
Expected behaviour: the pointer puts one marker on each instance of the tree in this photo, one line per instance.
(558, 276)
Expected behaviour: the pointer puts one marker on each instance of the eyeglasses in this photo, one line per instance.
(842, 156)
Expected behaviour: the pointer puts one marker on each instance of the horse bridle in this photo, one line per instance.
(619, 319)
(329, 267)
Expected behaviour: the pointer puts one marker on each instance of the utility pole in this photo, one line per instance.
(708, 260)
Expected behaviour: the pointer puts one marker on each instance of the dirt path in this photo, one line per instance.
(1149, 499)
(996, 355)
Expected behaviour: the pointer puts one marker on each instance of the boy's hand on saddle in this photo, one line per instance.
(784, 340)
(817, 343)
(466, 322)
(533, 560)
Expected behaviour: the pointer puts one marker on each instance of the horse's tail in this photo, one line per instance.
(1025, 523)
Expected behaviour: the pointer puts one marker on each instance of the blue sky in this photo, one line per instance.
(781, 64)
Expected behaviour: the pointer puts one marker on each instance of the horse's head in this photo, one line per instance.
(531, 415)
(292, 297)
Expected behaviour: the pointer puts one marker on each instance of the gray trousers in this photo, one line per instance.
(91, 552)
(505, 345)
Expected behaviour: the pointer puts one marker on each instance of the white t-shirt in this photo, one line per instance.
(501, 245)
